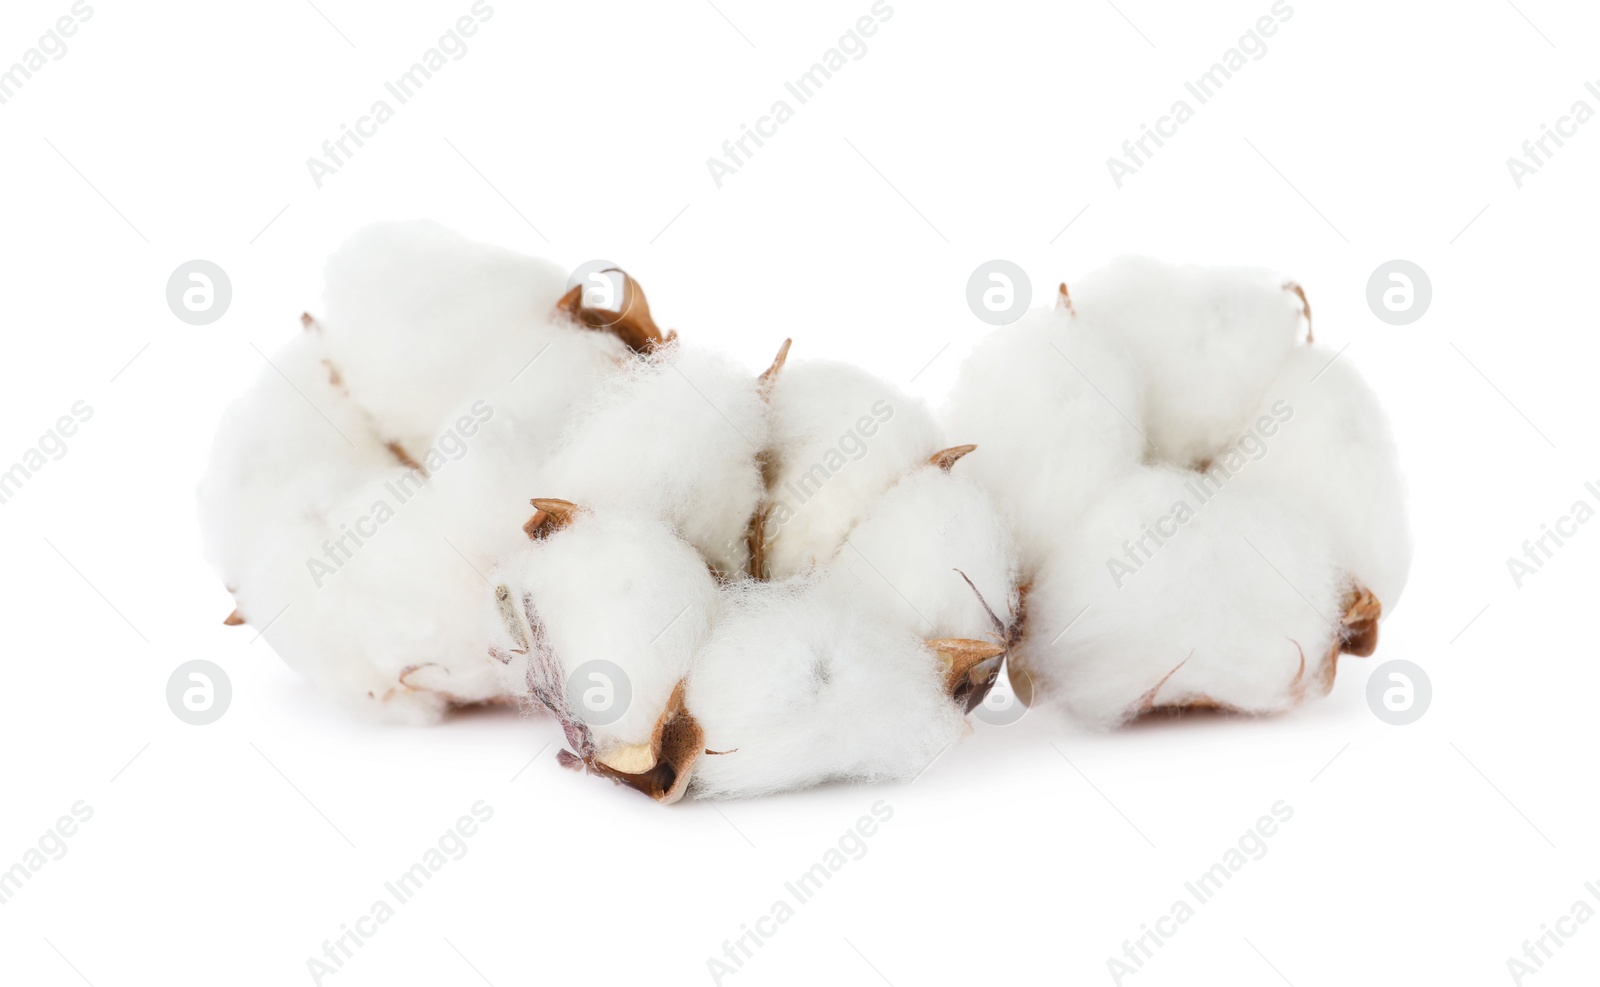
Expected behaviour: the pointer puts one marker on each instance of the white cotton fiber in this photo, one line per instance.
(1335, 458)
(1217, 596)
(499, 446)
(799, 684)
(368, 601)
(1056, 411)
(840, 437)
(291, 445)
(675, 433)
(421, 320)
(609, 587)
(1207, 339)
(907, 558)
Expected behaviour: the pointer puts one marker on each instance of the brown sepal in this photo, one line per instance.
(675, 745)
(550, 515)
(1305, 308)
(1064, 299)
(234, 619)
(1147, 702)
(755, 540)
(946, 458)
(1357, 633)
(409, 669)
(769, 375)
(971, 668)
(632, 323)
(404, 458)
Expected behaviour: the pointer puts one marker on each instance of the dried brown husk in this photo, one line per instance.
(632, 323)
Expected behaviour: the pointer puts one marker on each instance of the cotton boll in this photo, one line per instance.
(483, 491)
(412, 596)
(1171, 594)
(1208, 340)
(840, 438)
(911, 558)
(801, 684)
(292, 445)
(421, 320)
(596, 620)
(1055, 409)
(675, 432)
(1326, 445)
(499, 445)
(370, 603)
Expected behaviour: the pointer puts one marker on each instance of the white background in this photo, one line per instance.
(1369, 131)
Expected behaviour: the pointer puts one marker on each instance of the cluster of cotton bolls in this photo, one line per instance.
(1210, 506)
(470, 480)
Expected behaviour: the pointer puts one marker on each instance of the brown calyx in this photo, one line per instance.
(1147, 702)
(755, 541)
(1064, 300)
(661, 768)
(770, 375)
(946, 458)
(1305, 308)
(1356, 634)
(549, 516)
(404, 458)
(1017, 671)
(234, 619)
(971, 668)
(631, 323)
(755, 532)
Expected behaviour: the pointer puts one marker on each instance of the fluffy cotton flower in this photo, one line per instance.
(1336, 458)
(370, 602)
(319, 534)
(1172, 594)
(934, 555)
(441, 381)
(675, 433)
(293, 444)
(1056, 409)
(1208, 341)
(834, 692)
(1264, 533)
(596, 620)
(840, 437)
(421, 320)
